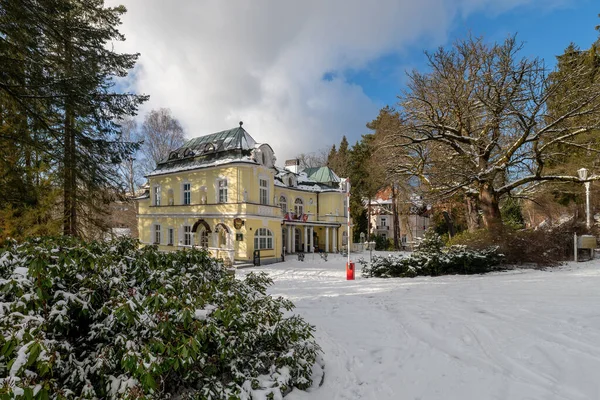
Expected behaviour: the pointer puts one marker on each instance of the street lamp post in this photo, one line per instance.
(583, 175)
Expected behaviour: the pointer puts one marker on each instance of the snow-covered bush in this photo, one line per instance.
(112, 321)
(432, 258)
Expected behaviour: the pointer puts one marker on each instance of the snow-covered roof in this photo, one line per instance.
(233, 145)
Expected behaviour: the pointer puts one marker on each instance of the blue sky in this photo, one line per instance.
(301, 74)
(545, 34)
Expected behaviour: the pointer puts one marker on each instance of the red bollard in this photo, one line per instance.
(350, 271)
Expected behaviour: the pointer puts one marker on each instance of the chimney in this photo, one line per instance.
(293, 165)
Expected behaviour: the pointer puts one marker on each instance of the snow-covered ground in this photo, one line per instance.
(520, 334)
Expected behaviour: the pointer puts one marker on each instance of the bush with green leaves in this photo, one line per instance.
(432, 258)
(113, 321)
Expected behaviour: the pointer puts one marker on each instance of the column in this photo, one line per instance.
(293, 239)
(312, 238)
(327, 239)
(289, 239)
(305, 239)
(335, 242)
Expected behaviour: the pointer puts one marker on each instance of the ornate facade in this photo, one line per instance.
(223, 192)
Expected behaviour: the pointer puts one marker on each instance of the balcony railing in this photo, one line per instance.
(383, 227)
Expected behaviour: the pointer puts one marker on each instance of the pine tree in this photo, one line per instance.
(60, 75)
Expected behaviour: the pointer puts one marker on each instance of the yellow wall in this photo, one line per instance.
(243, 202)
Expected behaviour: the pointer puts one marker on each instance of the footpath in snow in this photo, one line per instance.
(519, 334)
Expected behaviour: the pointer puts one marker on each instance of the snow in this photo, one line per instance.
(202, 314)
(520, 334)
(21, 359)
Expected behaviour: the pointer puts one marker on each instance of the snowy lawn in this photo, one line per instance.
(520, 334)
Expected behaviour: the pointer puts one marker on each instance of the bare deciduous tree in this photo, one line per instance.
(129, 167)
(161, 133)
(479, 123)
(314, 159)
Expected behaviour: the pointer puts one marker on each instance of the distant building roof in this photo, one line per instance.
(322, 175)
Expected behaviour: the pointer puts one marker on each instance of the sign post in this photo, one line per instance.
(349, 264)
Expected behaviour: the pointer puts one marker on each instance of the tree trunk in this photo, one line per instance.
(369, 220)
(69, 161)
(69, 183)
(489, 203)
(395, 217)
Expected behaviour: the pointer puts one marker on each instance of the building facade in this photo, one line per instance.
(413, 217)
(223, 192)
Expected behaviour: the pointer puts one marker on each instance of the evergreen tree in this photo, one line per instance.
(59, 77)
(331, 157)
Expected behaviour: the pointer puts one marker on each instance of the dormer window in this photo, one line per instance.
(173, 155)
(209, 148)
(188, 153)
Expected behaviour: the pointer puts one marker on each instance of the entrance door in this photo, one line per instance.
(298, 242)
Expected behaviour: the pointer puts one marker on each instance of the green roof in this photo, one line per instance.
(225, 146)
(232, 139)
(322, 174)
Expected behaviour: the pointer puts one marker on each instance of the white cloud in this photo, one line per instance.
(216, 62)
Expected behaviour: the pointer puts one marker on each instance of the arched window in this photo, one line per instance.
(291, 181)
(298, 207)
(263, 239)
(283, 203)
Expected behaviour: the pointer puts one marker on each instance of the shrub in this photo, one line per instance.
(432, 258)
(381, 242)
(112, 321)
(543, 247)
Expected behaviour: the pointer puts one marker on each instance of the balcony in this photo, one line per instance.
(382, 227)
(218, 208)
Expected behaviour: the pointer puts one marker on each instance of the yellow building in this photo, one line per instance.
(223, 192)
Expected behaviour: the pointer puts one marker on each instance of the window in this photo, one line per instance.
(187, 235)
(187, 193)
(263, 239)
(222, 184)
(204, 238)
(170, 243)
(156, 234)
(263, 191)
(157, 195)
(383, 222)
(283, 203)
(299, 206)
(291, 182)
(384, 236)
(403, 238)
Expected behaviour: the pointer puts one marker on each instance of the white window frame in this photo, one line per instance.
(157, 235)
(263, 191)
(283, 204)
(263, 239)
(222, 189)
(156, 195)
(187, 235)
(186, 195)
(299, 206)
(170, 236)
(383, 221)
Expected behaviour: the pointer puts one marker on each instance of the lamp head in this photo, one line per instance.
(583, 173)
